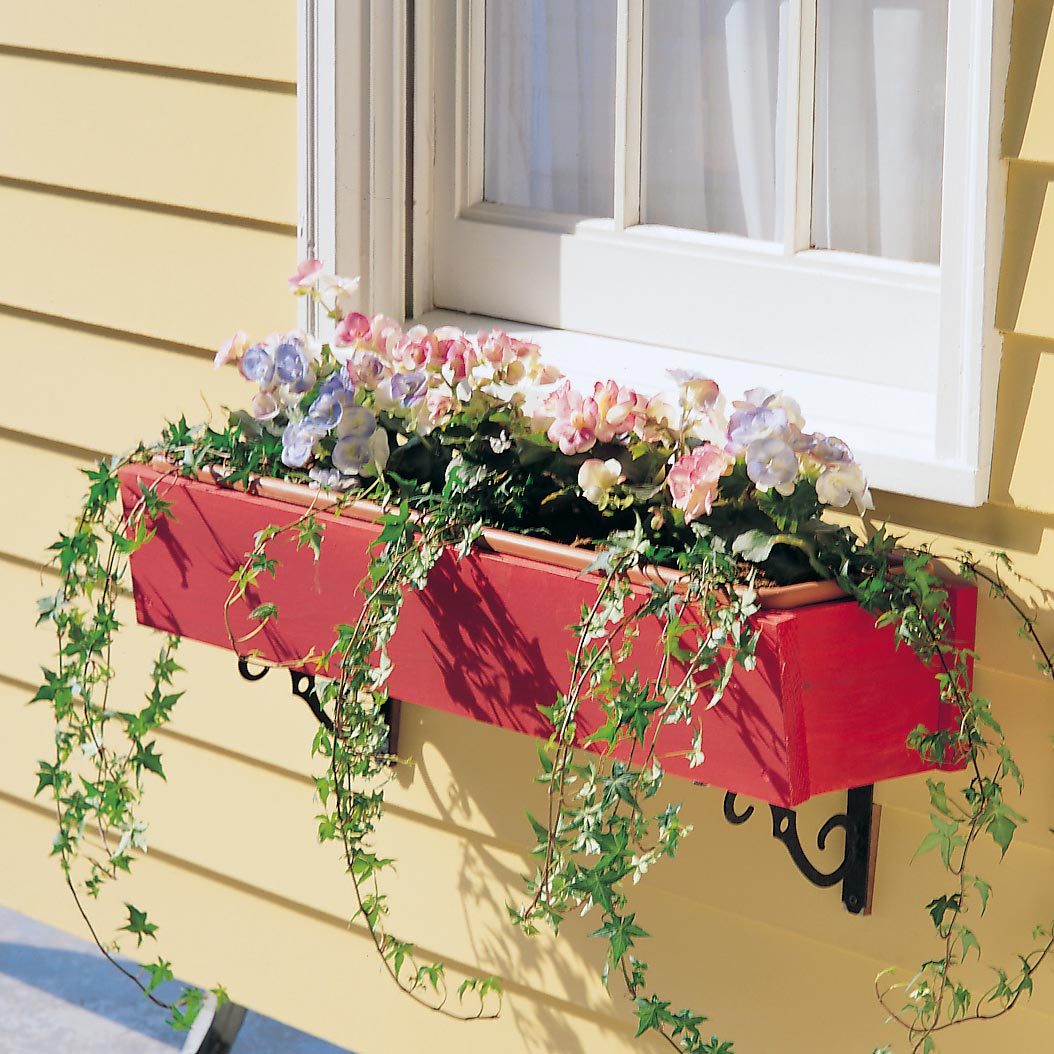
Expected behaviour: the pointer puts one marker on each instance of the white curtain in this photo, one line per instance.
(716, 111)
(715, 105)
(879, 142)
(549, 127)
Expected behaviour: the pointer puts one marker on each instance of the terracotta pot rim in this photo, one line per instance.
(507, 543)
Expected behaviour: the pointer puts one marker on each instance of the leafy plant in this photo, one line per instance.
(451, 434)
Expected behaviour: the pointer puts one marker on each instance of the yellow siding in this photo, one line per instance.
(120, 236)
(186, 143)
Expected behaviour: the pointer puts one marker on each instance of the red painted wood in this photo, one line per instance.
(828, 707)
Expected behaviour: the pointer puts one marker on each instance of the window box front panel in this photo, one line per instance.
(828, 707)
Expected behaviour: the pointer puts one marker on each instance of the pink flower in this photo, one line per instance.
(232, 350)
(386, 334)
(417, 349)
(306, 274)
(354, 327)
(460, 358)
(617, 410)
(655, 420)
(694, 479)
(575, 421)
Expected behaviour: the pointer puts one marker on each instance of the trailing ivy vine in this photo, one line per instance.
(446, 456)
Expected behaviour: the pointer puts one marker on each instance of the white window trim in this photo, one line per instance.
(354, 77)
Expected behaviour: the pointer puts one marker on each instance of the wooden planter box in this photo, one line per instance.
(828, 707)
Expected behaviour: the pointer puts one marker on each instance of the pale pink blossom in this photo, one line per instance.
(417, 349)
(386, 334)
(433, 410)
(617, 409)
(231, 351)
(460, 358)
(655, 420)
(306, 274)
(597, 479)
(694, 479)
(574, 423)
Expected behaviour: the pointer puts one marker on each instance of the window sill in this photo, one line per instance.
(891, 428)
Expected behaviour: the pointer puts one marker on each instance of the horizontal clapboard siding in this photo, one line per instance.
(236, 38)
(148, 136)
(135, 241)
(175, 276)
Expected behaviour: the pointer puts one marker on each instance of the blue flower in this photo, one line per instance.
(772, 463)
(297, 442)
(292, 366)
(258, 365)
(408, 388)
(357, 423)
(325, 413)
(352, 455)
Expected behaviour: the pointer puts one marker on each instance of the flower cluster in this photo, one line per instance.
(339, 407)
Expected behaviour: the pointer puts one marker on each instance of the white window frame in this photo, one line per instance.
(359, 60)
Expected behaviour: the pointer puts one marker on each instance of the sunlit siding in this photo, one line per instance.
(147, 203)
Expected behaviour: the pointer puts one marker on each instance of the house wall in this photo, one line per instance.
(148, 208)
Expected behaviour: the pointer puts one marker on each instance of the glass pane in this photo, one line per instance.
(715, 105)
(549, 127)
(879, 144)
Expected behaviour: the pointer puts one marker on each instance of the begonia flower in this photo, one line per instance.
(751, 425)
(839, 484)
(598, 478)
(257, 365)
(354, 327)
(617, 410)
(298, 441)
(574, 425)
(231, 351)
(694, 479)
(306, 274)
(342, 291)
(357, 422)
(772, 464)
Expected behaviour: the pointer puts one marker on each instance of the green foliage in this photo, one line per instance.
(608, 821)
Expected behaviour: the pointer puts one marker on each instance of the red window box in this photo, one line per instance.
(828, 707)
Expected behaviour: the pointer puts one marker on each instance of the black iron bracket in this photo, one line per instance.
(303, 687)
(860, 823)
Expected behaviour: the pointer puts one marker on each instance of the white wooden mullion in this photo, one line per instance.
(798, 142)
(472, 68)
(629, 72)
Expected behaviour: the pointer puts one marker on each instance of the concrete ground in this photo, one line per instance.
(58, 995)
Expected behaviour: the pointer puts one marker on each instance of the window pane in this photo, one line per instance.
(715, 115)
(549, 129)
(879, 144)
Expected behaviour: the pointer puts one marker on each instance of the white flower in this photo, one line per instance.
(839, 484)
(342, 290)
(597, 478)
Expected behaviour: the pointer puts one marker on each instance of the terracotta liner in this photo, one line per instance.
(554, 554)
